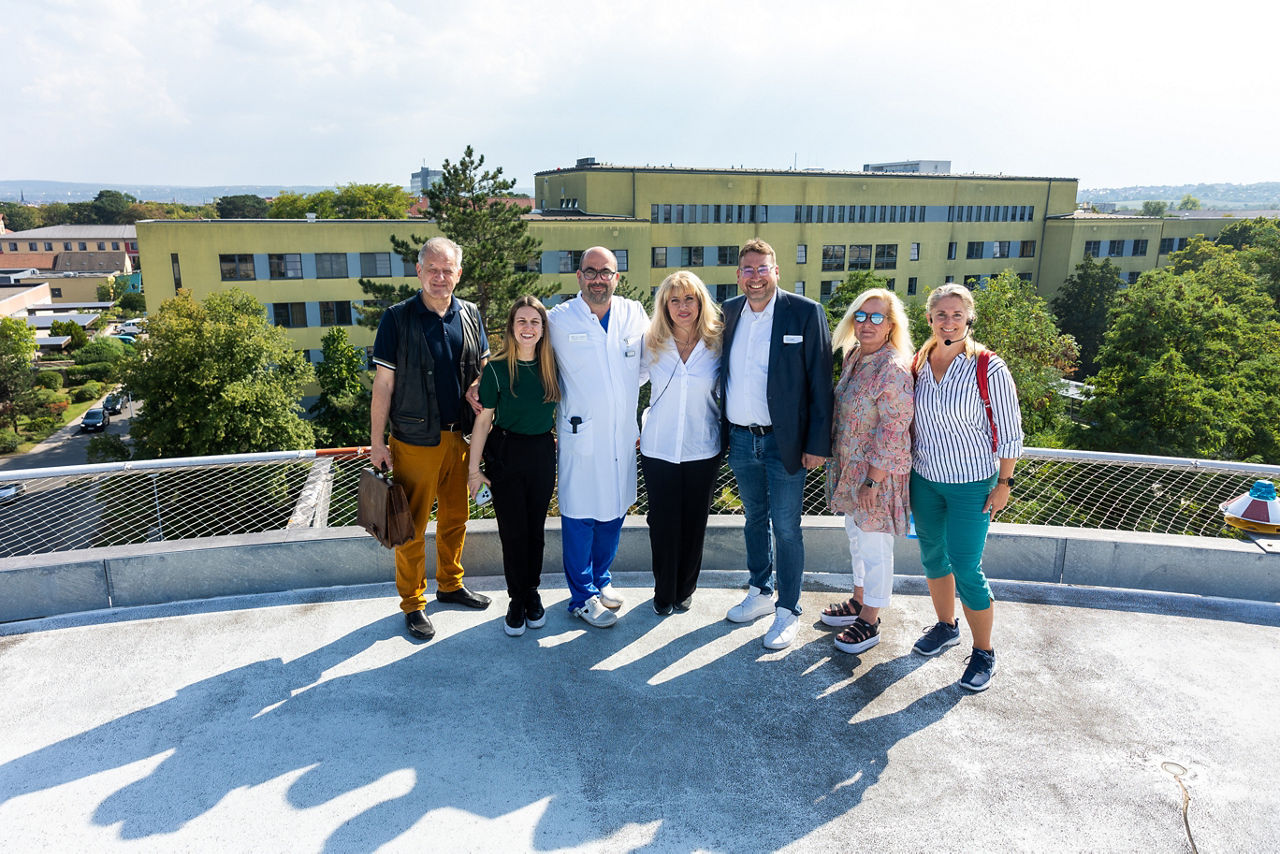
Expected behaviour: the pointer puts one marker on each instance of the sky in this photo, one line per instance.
(324, 92)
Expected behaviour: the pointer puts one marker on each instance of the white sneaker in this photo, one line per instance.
(783, 631)
(596, 614)
(610, 597)
(755, 605)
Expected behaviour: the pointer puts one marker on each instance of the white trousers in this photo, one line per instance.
(871, 553)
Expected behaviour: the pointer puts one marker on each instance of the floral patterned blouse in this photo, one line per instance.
(874, 407)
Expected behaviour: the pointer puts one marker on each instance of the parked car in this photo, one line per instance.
(95, 420)
(132, 327)
(112, 403)
(10, 491)
(128, 339)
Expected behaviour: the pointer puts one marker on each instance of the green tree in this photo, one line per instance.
(341, 415)
(1190, 365)
(17, 348)
(1082, 304)
(242, 206)
(297, 206)
(469, 206)
(1154, 208)
(73, 330)
(1189, 203)
(1015, 322)
(18, 217)
(132, 303)
(216, 378)
(1259, 243)
(372, 201)
(111, 207)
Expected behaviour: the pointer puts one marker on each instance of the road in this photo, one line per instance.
(68, 446)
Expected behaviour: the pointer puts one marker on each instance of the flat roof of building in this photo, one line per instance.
(792, 173)
(73, 232)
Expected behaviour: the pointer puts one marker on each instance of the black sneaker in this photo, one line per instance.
(514, 624)
(534, 614)
(684, 604)
(938, 638)
(982, 665)
(662, 609)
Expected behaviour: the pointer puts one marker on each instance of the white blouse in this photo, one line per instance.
(683, 421)
(952, 434)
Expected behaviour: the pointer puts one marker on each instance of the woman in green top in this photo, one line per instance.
(512, 434)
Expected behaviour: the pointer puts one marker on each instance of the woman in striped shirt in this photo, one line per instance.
(962, 472)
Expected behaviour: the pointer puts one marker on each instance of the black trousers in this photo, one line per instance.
(522, 471)
(679, 502)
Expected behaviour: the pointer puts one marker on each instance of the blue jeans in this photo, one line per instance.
(771, 498)
(588, 547)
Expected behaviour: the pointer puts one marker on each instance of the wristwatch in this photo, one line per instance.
(1007, 481)
(870, 484)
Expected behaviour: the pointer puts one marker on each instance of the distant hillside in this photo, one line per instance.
(1263, 195)
(43, 192)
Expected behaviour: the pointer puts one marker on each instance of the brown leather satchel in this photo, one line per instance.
(383, 509)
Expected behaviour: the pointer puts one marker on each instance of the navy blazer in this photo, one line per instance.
(799, 391)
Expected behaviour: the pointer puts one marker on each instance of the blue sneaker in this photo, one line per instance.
(938, 638)
(977, 676)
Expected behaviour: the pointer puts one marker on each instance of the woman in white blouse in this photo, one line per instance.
(962, 472)
(680, 436)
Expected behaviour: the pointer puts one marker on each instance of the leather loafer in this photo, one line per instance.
(418, 625)
(463, 596)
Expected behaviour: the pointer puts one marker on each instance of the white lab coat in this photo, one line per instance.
(600, 377)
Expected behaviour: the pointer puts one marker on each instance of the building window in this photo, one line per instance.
(886, 256)
(860, 256)
(55, 293)
(1166, 245)
(679, 213)
(827, 289)
(335, 313)
(1092, 248)
(375, 264)
(1028, 249)
(13, 247)
(66, 246)
(974, 249)
(102, 246)
(31, 245)
(1026, 277)
(695, 256)
(48, 246)
(177, 271)
(1115, 249)
(800, 288)
(723, 292)
(951, 251)
(659, 257)
(802, 253)
(727, 256)
(1182, 243)
(666, 213)
(287, 266)
(653, 213)
(891, 284)
(82, 245)
(236, 267)
(1139, 247)
(331, 265)
(911, 286)
(833, 257)
(291, 314)
(1133, 278)
(915, 250)
(1000, 249)
(132, 245)
(621, 255)
(115, 246)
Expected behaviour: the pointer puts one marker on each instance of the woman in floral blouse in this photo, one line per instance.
(871, 465)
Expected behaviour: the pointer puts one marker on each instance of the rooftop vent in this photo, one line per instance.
(586, 161)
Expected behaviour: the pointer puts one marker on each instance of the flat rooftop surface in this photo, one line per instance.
(309, 721)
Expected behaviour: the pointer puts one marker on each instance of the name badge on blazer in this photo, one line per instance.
(577, 336)
(792, 339)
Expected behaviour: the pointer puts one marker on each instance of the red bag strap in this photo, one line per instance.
(984, 392)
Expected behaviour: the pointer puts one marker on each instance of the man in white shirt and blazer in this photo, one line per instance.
(777, 390)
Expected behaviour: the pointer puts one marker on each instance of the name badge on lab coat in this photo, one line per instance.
(577, 336)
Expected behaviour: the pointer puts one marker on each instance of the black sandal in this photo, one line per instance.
(841, 614)
(859, 637)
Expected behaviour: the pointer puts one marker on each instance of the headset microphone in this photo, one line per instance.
(967, 324)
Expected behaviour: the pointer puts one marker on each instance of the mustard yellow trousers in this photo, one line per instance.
(432, 476)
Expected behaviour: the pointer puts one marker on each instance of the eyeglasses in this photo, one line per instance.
(762, 270)
(863, 317)
(591, 274)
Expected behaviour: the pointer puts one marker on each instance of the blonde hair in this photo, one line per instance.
(971, 347)
(661, 329)
(542, 352)
(845, 336)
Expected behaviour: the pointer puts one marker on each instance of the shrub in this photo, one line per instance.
(43, 425)
(100, 371)
(49, 379)
(9, 441)
(105, 349)
(89, 391)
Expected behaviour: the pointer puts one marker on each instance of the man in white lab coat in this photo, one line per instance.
(598, 340)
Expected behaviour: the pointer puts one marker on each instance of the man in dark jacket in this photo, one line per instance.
(429, 350)
(775, 372)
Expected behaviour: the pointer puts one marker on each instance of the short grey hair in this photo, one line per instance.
(441, 246)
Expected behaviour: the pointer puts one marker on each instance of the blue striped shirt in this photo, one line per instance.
(952, 435)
